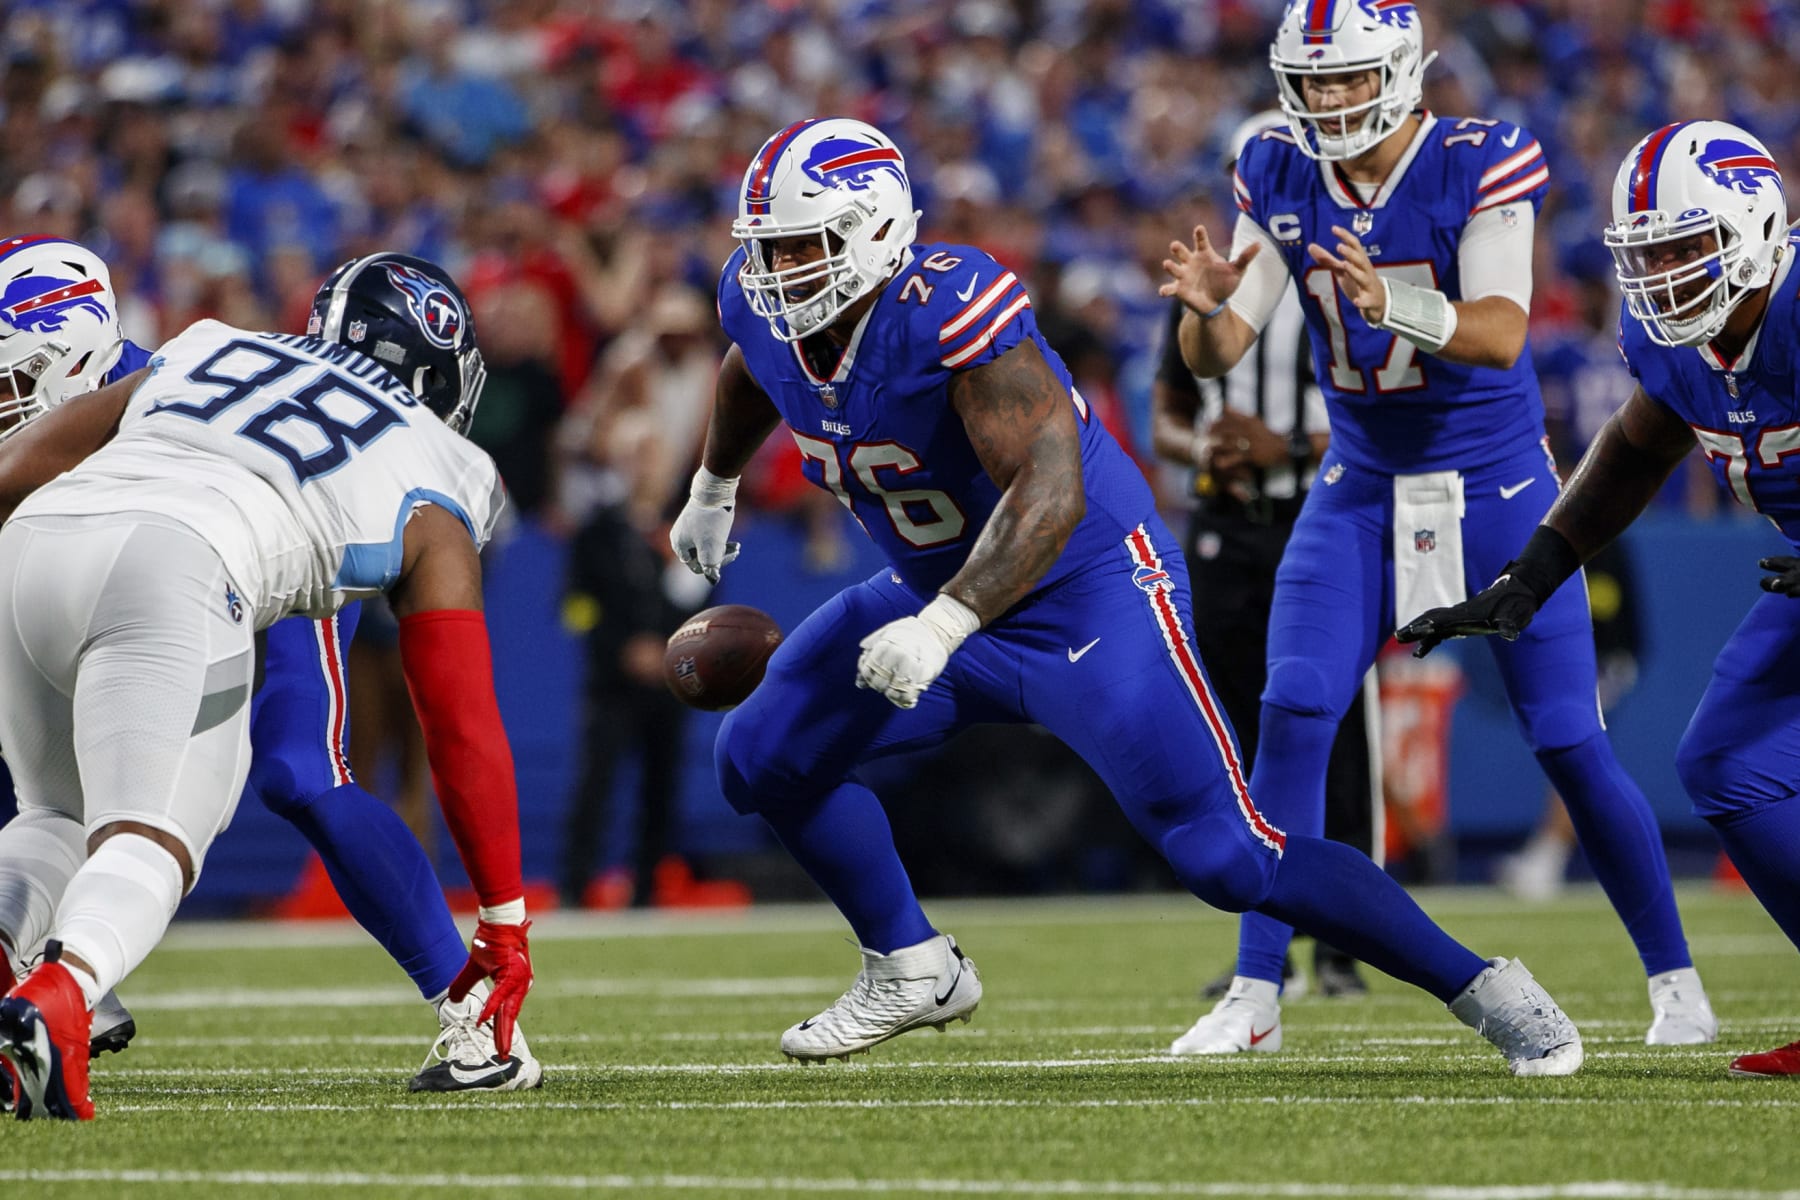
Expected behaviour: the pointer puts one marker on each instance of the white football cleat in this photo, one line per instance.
(1248, 1018)
(114, 1026)
(464, 1058)
(1684, 1016)
(1509, 1008)
(932, 983)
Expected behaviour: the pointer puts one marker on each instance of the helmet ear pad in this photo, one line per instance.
(408, 315)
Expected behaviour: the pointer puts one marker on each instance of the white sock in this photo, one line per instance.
(40, 851)
(118, 906)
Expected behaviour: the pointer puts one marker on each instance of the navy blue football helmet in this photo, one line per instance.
(408, 315)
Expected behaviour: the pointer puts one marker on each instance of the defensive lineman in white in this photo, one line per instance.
(241, 478)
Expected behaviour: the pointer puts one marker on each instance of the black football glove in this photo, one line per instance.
(1505, 608)
(1786, 578)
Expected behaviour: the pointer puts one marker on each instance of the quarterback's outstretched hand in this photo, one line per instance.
(1202, 278)
(903, 658)
(500, 953)
(699, 533)
(1786, 577)
(1354, 273)
(1505, 608)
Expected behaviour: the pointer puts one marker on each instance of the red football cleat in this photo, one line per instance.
(44, 1030)
(1769, 1064)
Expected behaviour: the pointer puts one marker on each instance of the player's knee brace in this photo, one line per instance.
(1299, 686)
(1219, 863)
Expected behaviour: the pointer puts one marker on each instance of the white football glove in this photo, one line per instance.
(902, 658)
(699, 533)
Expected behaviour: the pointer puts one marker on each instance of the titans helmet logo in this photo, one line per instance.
(437, 311)
(850, 163)
(42, 303)
(1738, 166)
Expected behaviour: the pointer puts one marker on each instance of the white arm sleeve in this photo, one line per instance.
(1495, 255)
(1264, 280)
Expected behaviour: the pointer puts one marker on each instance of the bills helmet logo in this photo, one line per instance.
(1738, 166)
(436, 309)
(43, 303)
(850, 163)
(1401, 14)
(1424, 540)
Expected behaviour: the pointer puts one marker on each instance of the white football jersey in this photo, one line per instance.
(299, 460)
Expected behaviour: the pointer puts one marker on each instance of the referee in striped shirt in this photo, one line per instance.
(1254, 439)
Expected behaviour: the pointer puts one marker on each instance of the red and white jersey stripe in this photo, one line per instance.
(1514, 176)
(971, 330)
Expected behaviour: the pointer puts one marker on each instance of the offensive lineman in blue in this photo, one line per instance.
(59, 327)
(1030, 579)
(1410, 237)
(1705, 260)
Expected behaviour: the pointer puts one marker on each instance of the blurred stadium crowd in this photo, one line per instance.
(575, 163)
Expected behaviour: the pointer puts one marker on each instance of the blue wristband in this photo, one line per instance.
(1207, 316)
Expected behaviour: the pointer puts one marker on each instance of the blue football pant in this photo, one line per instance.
(299, 727)
(1104, 662)
(1334, 609)
(1740, 756)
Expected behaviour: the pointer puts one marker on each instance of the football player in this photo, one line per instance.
(1705, 260)
(1029, 579)
(239, 478)
(1410, 238)
(59, 337)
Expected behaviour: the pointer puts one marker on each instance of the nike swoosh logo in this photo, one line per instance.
(1510, 140)
(968, 291)
(1256, 1037)
(809, 1022)
(951, 990)
(1507, 493)
(1075, 655)
(487, 1072)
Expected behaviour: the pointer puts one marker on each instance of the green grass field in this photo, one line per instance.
(273, 1060)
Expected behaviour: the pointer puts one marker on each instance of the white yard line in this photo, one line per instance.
(1596, 1190)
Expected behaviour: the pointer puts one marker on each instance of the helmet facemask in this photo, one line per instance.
(1684, 295)
(1398, 91)
(860, 248)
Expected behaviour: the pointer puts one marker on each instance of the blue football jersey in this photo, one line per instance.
(1393, 407)
(879, 431)
(1746, 419)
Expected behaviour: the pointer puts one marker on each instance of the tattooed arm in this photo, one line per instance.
(1019, 419)
(1620, 474)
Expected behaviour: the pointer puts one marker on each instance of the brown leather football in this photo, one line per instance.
(716, 659)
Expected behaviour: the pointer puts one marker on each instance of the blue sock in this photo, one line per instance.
(1293, 751)
(384, 879)
(1764, 845)
(1618, 834)
(844, 842)
(1338, 895)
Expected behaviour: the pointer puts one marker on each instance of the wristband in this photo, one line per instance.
(950, 619)
(1423, 316)
(712, 491)
(1212, 312)
(510, 913)
(1546, 561)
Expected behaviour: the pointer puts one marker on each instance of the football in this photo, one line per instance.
(716, 659)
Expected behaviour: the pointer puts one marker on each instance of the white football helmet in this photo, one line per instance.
(1695, 180)
(1333, 37)
(59, 326)
(842, 182)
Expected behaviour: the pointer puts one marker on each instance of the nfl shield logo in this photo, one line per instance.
(1509, 217)
(828, 395)
(1333, 473)
(1362, 222)
(1424, 540)
(358, 330)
